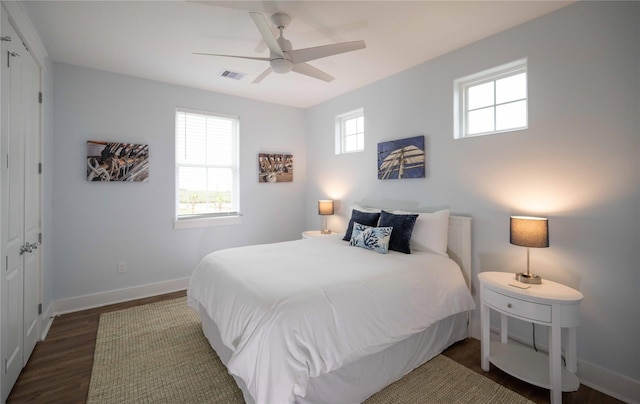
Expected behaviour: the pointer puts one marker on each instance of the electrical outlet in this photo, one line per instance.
(122, 267)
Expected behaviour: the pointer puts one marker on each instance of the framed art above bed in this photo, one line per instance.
(401, 158)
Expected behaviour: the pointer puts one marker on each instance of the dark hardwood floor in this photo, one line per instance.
(59, 369)
(467, 353)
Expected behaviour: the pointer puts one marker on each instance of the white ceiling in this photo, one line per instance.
(156, 39)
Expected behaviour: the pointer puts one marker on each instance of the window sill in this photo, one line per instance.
(495, 132)
(206, 222)
(349, 152)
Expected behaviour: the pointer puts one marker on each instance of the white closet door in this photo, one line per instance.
(12, 208)
(20, 205)
(32, 225)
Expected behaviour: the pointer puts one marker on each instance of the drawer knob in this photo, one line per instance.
(509, 305)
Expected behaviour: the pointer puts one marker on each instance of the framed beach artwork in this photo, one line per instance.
(273, 167)
(111, 161)
(402, 158)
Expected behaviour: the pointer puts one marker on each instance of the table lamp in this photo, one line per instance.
(530, 232)
(325, 208)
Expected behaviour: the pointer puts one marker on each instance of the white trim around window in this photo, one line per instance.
(350, 132)
(193, 223)
(207, 169)
(492, 101)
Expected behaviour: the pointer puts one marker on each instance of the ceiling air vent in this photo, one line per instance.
(232, 75)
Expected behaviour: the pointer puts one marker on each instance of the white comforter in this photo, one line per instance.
(293, 310)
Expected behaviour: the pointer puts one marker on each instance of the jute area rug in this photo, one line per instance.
(157, 353)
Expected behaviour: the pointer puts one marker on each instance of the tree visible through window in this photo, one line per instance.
(206, 164)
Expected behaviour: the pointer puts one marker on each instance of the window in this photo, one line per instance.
(492, 101)
(350, 132)
(206, 166)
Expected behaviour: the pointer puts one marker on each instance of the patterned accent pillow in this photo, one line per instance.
(403, 225)
(371, 238)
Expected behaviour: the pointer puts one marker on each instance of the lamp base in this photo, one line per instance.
(528, 278)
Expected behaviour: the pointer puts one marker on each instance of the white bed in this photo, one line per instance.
(316, 320)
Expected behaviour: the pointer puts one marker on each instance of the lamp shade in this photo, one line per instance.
(529, 231)
(325, 207)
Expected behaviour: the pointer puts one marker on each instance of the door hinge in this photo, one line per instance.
(39, 308)
(39, 238)
(6, 263)
(39, 168)
(9, 55)
(6, 362)
(40, 97)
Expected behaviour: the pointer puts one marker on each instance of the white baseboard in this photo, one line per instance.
(616, 385)
(604, 380)
(47, 320)
(78, 303)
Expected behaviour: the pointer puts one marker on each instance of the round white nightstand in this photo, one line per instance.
(314, 233)
(551, 304)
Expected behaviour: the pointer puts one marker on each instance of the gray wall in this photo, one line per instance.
(96, 225)
(578, 163)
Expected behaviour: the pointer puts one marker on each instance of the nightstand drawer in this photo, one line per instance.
(517, 307)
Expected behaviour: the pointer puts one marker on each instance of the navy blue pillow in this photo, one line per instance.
(365, 218)
(402, 229)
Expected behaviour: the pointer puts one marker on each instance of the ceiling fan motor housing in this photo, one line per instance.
(278, 64)
(281, 65)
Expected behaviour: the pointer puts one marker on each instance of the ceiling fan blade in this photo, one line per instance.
(267, 34)
(307, 54)
(233, 56)
(262, 75)
(308, 70)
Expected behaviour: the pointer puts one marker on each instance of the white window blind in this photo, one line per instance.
(206, 165)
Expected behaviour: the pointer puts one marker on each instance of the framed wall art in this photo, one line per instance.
(110, 161)
(402, 158)
(273, 167)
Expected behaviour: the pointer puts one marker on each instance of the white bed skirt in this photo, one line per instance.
(359, 380)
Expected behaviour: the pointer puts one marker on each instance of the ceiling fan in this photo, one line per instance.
(283, 58)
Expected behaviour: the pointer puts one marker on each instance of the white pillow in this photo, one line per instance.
(431, 231)
(366, 209)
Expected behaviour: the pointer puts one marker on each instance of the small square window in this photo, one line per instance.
(350, 132)
(492, 101)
